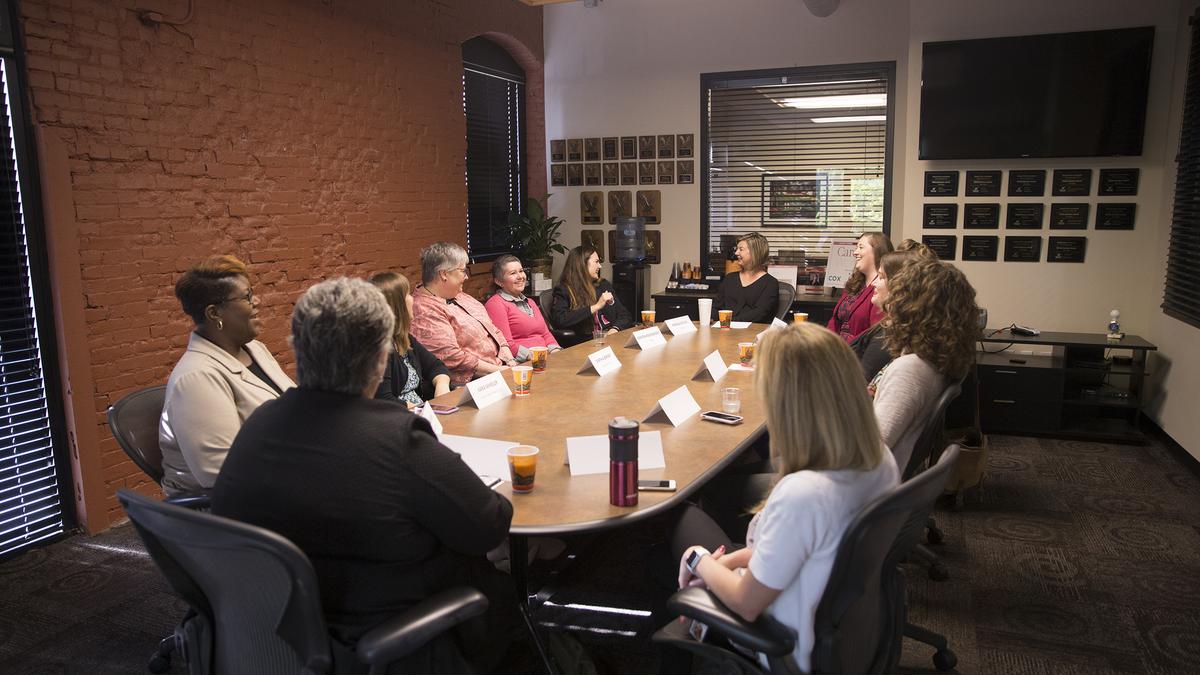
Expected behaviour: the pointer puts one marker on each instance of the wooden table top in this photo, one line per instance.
(563, 404)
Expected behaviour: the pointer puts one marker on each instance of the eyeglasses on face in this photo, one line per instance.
(248, 297)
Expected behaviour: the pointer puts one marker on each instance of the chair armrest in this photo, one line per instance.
(196, 500)
(563, 335)
(765, 635)
(404, 633)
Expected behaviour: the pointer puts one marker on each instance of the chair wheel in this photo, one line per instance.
(944, 659)
(159, 664)
(938, 572)
(934, 536)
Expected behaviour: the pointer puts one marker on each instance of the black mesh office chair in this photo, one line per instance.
(565, 337)
(256, 601)
(858, 621)
(787, 293)
(133, 421)
(928, 443)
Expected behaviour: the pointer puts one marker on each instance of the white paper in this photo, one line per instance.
(430, 416)
(739, 367)
(733, 324)
(777, 323)
(602, 362)
(485, 456)
(646, 338)
(785, 273)
(589, 454)
(677, 406)
(486, 390)
(713, 365)
(841, 262)
(681, 325)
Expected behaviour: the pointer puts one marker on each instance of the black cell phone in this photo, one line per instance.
(723, 418)
(657, 485)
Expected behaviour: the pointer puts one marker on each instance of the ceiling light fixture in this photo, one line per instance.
(850, 118)
(838, 101)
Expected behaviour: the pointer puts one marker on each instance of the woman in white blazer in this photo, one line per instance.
(224, 375)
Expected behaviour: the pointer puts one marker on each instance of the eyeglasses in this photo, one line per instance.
(248, 297)
(465, 272)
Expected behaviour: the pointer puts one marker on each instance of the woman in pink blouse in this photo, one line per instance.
(518, 317)
(854, 312)
(451, 324)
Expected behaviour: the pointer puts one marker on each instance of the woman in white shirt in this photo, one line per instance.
(832, 463)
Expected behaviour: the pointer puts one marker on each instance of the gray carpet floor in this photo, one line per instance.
(1073, 557)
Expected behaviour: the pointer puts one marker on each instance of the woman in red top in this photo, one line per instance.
(515, 314)
(854, 312)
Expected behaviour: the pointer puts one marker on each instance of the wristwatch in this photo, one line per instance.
(694, 557)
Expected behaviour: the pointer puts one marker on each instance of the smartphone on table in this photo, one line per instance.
(655, 485)
(720, 417)
(442, 409)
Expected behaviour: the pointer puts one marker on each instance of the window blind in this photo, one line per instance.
(493, 104)
(800, 156)
(1181, 294)
(31, 502)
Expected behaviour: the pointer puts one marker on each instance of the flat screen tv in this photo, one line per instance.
(1059, 95)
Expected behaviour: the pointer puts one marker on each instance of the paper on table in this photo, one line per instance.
(713, 366)
(485, 456)
(601, 362)
(589, 454)
(738, 366)
(485, 391)
(676, 406)
(733, 324)
(681, 325)
(431, 417)
(646, 338)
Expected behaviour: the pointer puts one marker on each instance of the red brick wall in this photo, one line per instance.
(311, 138)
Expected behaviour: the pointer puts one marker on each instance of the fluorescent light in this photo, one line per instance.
(841, 101)
(850, 118)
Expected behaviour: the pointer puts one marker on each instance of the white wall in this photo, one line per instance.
(633, 67)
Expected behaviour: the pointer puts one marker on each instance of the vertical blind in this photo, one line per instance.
(800, 156)
(493, 103)
(1181, 295)
(30, 498)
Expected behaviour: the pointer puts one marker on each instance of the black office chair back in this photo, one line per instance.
(787, 293)
(134, 423)
(544, 299)
(257, 590)
(931, 439)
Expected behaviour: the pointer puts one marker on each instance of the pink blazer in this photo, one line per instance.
(461, 335)
(859, 312)
(519, 329)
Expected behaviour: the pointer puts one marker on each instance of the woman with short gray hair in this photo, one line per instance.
(452, 325)
(399, 516)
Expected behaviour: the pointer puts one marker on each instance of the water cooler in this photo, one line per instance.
(631, 276)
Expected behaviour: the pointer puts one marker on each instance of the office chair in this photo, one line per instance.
(787, 293)
(565, 337)
(926, 445)
(255, 596)
(857, 625)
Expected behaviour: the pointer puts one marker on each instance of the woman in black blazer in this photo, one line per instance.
(413, 374)
(583, 302)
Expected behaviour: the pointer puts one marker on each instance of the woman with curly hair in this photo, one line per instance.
(930, 329)
(854, 312)
(869, 346)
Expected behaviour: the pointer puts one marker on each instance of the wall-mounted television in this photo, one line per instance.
(1058, 95)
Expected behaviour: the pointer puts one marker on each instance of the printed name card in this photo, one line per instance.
(681, 325)
(589, 454)
(733, 324)
(486, 390)
(777, 323)
(602, 362)
(713, 366)
(676, 406)
(431, 417)
(646, 338)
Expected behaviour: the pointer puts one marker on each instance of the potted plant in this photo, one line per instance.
(537, 235)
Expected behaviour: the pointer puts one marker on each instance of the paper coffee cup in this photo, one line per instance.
(705, 305)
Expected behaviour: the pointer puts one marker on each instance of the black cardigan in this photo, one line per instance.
(872, 355)
(755, 303)
(580, 319)
(395, 375)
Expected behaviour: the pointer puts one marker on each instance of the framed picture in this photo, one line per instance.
(591, 174)
(666, 146)
(593, 238)
(591, 149)
(793, 200)
(558, 174)
(684, 144)
(666, 172)
(629, 147)
(574, 149)
(649, 206)
(646, 173)
(574, 174)
(620, 205)
(610, 174)
(646, 147)
(591, 208)
(684, 172)
(629, 173)
(653, 247)
(558, 150)
(609, 149)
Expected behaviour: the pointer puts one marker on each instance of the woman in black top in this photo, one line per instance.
(413, 375)
(752, 294)
(583, 302)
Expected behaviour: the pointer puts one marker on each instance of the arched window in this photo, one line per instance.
(494, 107)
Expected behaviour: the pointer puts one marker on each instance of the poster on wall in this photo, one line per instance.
(945, 246)
(793, 200)
(983, 183)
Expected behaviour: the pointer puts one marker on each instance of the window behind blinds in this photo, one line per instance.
(1181, 296)
(801, 156)
(31, 483)
(494, 104)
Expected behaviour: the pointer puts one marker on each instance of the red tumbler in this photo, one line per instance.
(623, 462)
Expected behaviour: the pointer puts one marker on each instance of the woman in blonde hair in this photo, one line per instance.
(930, 329)
(413, 374)
(854, 312)
(583, 302)
(831, 464)
(752, 294)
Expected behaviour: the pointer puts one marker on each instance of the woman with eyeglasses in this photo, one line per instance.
(452, 325)
(515, 314)
(222, 377)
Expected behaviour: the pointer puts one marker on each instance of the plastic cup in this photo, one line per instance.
(799, 317)
(522, 467)
(705, 307)
(725, 316)
(647, 318)
(731, 400)
(745, 353)
(522, 380)
(538, 356)
(598, 338)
